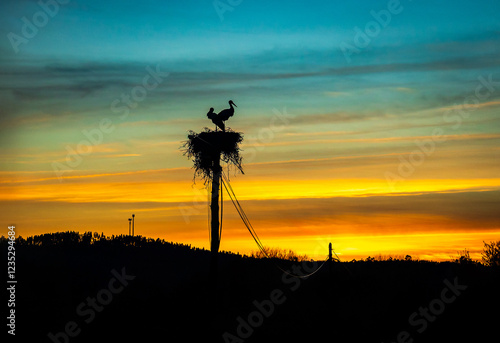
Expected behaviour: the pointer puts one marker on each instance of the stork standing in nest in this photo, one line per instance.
(219, 119)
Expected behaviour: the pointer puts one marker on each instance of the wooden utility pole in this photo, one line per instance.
(207, 150)
(214, 245)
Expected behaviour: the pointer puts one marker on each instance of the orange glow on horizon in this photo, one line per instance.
(120, 188)
(440, 246)
(176, 210)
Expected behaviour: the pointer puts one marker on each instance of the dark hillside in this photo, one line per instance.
(170, 298)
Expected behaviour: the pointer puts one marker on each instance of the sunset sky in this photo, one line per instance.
(374, 125)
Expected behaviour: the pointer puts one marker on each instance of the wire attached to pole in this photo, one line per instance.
(254, 235)
(208, 214)
(221, 207)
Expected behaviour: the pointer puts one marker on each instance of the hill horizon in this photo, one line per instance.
(89, 237)
(133, 288)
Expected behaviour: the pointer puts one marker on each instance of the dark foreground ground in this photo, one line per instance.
(162, 294)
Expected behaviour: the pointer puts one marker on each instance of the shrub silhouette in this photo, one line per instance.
(464, 257)
(280, 253)
(491, 254)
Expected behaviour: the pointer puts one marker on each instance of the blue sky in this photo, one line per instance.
(266, 56)
(168, 30)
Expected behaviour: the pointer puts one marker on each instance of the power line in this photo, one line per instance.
(221, 208)
(225, 182)
(243, 216)
(208, 214)
(250, 228)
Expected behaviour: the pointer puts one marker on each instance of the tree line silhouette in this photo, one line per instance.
(73, 239)
(171, 293)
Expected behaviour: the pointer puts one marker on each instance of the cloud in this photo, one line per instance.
(375, 215)
(83, 78)
(472, 106)
(407, 139)
(451, 211)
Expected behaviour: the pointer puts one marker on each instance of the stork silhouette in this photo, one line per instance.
(219, 119)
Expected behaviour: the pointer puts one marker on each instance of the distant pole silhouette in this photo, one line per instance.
(133, 224)
(129, 225)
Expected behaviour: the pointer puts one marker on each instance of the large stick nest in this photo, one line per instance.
(205, 147)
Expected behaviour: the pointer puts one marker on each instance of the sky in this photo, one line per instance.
(373, 125)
